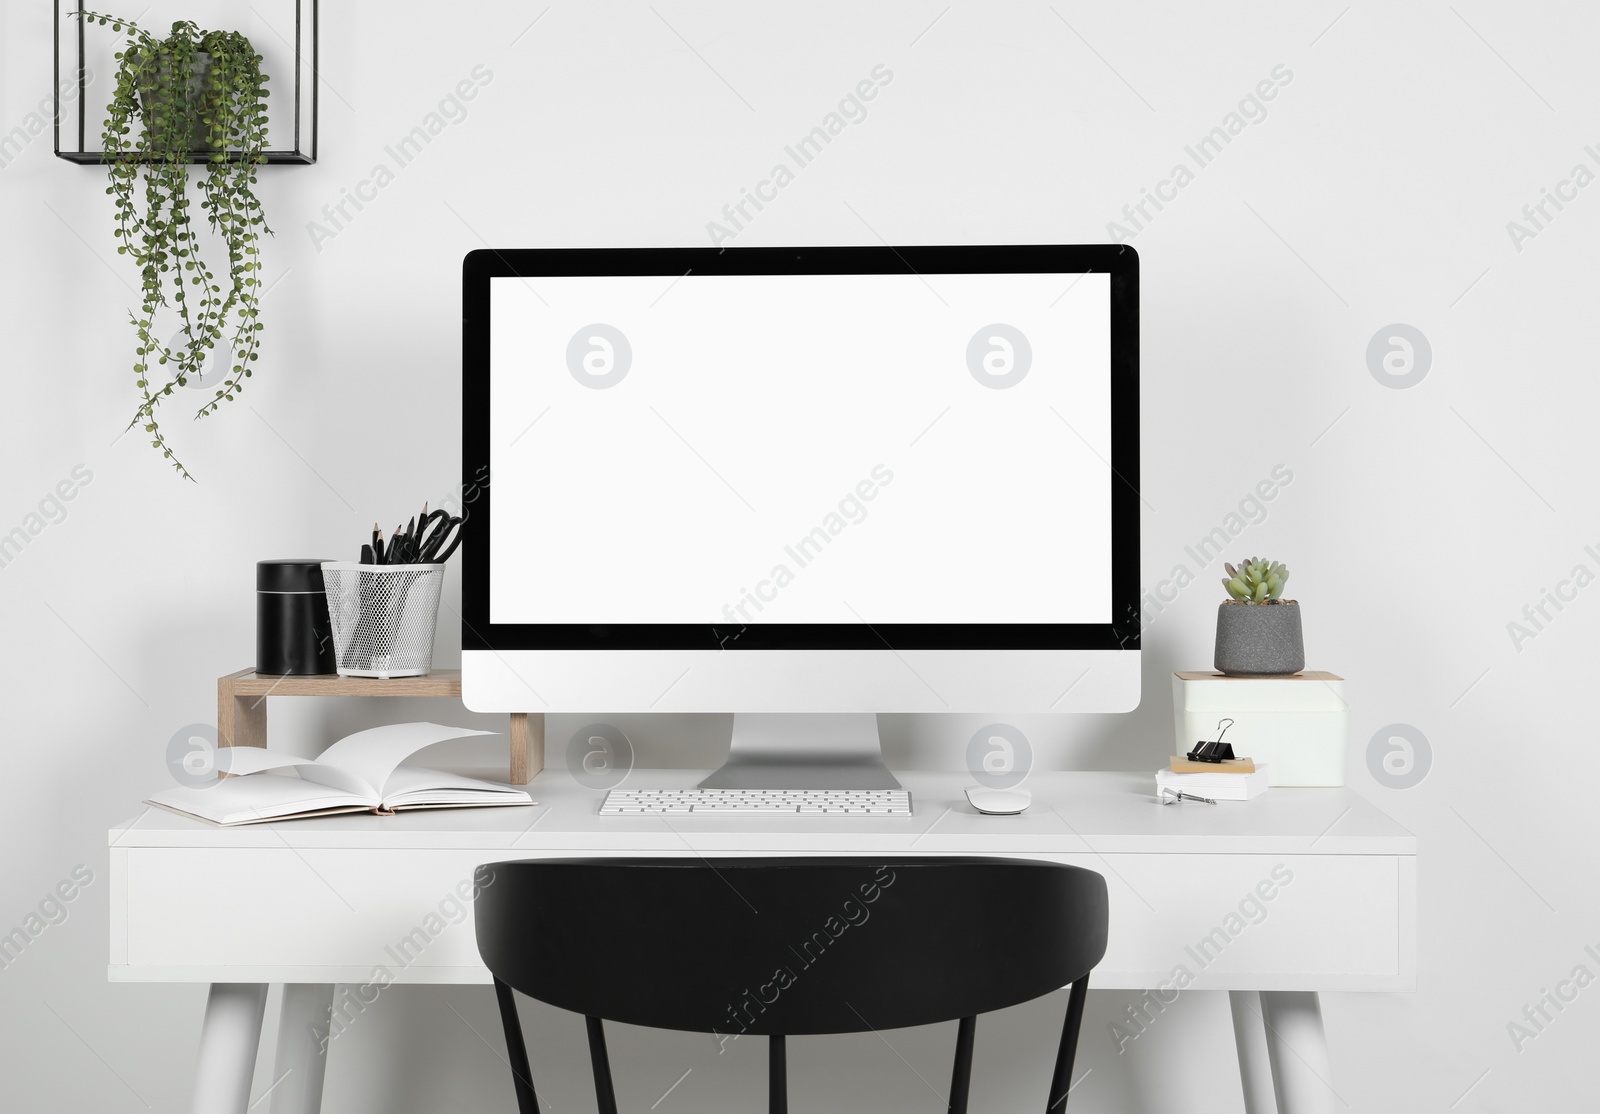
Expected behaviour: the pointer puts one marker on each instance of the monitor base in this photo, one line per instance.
(803, 750)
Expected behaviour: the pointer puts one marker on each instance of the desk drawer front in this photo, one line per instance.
(340, 915)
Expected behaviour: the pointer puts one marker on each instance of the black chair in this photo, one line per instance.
(782, 947)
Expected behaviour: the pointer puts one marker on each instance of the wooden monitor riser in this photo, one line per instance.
(242, 708)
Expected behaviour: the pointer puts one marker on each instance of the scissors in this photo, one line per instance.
(428, 539)
(437, 535)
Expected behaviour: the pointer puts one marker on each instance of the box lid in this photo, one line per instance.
(1313, 690)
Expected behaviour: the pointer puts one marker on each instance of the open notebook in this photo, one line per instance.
(360, 773)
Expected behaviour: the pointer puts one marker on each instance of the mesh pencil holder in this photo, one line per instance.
(383, 617)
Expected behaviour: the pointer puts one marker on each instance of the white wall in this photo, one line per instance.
(1418, 524)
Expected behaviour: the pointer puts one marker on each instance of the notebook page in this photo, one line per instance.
(243, 800)
(256, 760)
(418, 786)
(372, 755)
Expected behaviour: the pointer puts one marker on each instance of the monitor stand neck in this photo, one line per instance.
(803, 750)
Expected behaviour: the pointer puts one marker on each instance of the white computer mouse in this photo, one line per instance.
(999, 802)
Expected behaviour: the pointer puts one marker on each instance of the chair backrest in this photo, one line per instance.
(788, 946)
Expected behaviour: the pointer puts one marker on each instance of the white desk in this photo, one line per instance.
(316, 903)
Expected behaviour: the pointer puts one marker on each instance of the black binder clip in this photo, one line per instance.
(1215, 751)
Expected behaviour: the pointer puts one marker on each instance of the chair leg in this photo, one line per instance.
(961, 1074)
(516, 1050)
(1061, 1083)
(604, 1096)
(777, 1076)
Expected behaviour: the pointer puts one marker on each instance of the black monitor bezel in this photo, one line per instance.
(1120, 262)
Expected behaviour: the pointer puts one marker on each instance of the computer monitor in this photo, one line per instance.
(768, 481)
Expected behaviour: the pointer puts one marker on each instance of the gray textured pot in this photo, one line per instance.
(1259, 639)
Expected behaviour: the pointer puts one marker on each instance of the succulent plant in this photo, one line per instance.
(1256, 581)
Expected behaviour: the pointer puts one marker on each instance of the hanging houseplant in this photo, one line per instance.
(193, 92)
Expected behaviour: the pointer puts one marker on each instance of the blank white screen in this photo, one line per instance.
(758, 412)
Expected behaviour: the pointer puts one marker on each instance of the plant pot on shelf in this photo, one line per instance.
(1259, 639)
(199, 138)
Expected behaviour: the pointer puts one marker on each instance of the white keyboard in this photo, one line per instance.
(814, 802)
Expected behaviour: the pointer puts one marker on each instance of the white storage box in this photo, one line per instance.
(1297, 724)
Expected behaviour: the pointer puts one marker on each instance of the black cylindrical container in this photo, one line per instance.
(293, 634)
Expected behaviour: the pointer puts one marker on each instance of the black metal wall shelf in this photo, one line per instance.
(302, 47)
(272, 158)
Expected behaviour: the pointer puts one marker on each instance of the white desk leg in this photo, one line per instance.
(1255, 1068)
(228, 1039)
(1298, 1049)
(302, 1059)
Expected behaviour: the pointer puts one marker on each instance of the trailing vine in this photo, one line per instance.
(191, 91)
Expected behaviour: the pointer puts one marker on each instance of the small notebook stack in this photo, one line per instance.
(1237, 780)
